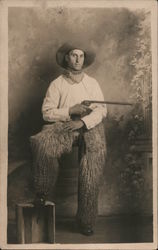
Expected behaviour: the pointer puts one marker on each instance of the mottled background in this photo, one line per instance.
(34, 36)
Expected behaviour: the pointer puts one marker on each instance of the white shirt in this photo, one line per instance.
(61, 95)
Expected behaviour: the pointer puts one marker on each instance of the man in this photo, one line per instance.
(65, 94)
(73, 122)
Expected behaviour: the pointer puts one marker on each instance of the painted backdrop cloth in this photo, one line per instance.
(51, 143)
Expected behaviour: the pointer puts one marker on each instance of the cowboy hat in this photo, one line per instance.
(66, 48)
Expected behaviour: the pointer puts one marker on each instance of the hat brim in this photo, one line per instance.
(66, 48)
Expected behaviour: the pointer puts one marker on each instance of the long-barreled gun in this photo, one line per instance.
(89, 102)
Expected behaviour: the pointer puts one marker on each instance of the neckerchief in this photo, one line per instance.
(73, 76)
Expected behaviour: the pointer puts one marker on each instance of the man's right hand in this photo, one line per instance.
(79, 109)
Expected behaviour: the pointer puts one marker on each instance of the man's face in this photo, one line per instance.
(75, 59)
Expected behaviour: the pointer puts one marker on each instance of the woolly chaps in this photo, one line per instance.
(48, 146)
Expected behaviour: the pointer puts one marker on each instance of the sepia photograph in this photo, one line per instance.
(79, 124)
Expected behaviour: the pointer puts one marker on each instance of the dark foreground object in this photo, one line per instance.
(112, 229)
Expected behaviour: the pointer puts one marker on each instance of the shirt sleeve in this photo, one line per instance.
(99, 111)
(50, 108)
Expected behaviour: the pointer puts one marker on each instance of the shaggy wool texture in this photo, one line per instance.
(50, 144)
(92, 163)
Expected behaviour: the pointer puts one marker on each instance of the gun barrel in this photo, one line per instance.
(108, 102)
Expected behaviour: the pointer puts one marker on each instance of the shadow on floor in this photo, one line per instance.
(114, 229)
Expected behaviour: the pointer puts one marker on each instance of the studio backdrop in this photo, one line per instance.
(121, 38)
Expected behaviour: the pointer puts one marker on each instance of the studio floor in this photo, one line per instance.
(112, 229)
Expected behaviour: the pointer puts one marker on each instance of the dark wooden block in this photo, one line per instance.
(35, 225)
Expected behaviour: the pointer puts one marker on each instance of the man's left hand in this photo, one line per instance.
(73, 125)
